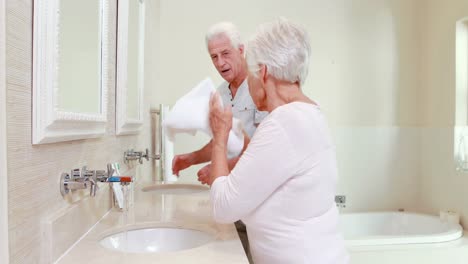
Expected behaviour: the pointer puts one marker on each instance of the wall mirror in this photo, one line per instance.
(70, 62)
(130, 66)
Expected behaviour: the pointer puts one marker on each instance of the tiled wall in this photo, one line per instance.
(378, 167)
(42, 224)
(442, 187)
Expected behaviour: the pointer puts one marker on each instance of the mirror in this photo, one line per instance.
(130, 66)
(79, 55)
(70, 63)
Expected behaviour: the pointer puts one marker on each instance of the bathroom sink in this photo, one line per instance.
(176, 188)
(153, 240)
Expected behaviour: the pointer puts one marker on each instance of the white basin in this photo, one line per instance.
(159, 239)
(176, 188)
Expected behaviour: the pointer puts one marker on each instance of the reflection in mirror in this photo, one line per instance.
(134, 59)
(80, 55)
(130, 66)
(70, 65)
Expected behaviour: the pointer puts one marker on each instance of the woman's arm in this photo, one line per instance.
(220, 123)
(267, 163)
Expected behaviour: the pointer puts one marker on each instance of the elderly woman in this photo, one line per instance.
(283, 186)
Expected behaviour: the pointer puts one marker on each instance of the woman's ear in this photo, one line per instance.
(263, 72)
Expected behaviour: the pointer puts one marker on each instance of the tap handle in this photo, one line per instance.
(146, 156)
(84, 171)
(142, 155)
(110, 170)
(93, 184)
(75, 173)
(100, 176)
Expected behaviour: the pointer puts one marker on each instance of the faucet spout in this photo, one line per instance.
(93, 187)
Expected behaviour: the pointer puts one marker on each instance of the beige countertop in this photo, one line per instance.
(152, 209)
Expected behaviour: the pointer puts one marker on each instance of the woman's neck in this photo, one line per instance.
(281, 93)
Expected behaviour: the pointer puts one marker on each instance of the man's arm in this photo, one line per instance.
(232, 162)
(204, 173)
(183, 161)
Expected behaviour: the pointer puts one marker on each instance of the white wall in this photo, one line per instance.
(4, 255)
(363, 52)
(442, 186)
(363, 73)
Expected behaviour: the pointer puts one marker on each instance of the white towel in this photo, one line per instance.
(191, 114)
(168, 150)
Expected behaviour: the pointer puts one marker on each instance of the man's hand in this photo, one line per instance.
(181, 162)
(204, 174)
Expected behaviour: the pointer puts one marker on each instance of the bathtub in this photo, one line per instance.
(393, 228)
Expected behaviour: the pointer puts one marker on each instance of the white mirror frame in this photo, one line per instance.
(124, 124)
(49, 123)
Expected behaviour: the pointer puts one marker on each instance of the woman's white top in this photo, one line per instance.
(283, 189)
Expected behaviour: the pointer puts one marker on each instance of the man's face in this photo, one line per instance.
(227, 59)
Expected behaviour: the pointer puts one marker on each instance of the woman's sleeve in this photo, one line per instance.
(267, 163)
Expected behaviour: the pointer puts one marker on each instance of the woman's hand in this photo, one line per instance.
(220, 120)
(221, 123)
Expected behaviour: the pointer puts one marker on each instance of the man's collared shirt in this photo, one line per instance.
(243, 107)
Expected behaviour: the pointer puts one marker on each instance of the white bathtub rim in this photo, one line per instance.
(457, 243)
(455, 232)
(414, 239)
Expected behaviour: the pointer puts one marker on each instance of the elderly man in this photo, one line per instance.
(284, 184)
(227, 54)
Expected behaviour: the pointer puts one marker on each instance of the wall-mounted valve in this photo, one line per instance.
(340, 201)
(83, 178)
(139, 155)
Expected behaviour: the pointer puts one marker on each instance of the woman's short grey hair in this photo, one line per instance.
(283, 47)
(227, 29)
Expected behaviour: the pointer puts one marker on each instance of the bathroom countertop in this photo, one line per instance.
(151, 209)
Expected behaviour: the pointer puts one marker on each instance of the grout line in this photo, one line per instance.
(81, 238)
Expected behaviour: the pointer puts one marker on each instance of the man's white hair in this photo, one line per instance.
(227, 29)
(283, 47)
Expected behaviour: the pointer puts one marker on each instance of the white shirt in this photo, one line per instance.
(283, 188)
(243, 106)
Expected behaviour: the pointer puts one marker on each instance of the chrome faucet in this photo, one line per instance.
(139, 155)
(79, 179)
(131, 155)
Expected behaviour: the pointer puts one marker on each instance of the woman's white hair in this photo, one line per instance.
(283, 47)
(227, 29)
